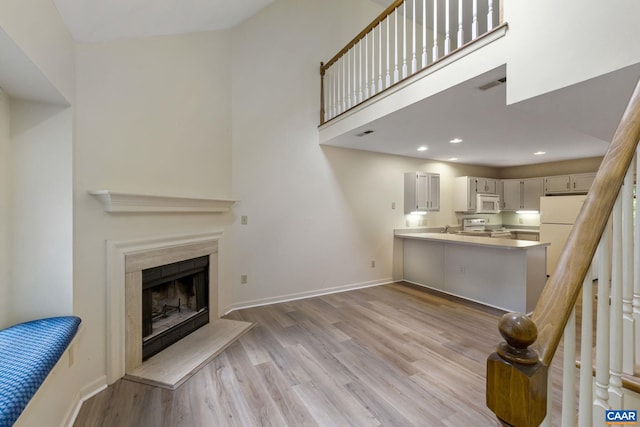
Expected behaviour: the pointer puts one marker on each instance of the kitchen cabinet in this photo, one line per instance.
(421, 192)
(521, 194)
(468, 187)
(564, 184)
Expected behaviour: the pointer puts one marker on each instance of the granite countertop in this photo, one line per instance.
(470, 240)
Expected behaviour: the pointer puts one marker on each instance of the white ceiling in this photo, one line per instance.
(573, 122)
(104, 20)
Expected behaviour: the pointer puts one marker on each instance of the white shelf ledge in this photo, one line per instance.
(129, 202)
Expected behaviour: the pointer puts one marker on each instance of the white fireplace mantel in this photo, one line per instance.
(117, 202)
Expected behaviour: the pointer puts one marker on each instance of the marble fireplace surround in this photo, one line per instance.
(125, 261)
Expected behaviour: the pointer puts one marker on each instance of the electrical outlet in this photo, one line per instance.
(373, 264)
(244, 220)
(520, 221)
(243, 279)
(393, 205)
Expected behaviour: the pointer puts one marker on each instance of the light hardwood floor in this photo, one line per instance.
(392, 355)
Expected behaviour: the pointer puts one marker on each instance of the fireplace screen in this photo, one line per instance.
(175, 302)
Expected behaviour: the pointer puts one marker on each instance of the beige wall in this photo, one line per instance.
(554, 168)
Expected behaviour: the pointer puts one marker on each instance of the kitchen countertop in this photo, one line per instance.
(470, 240)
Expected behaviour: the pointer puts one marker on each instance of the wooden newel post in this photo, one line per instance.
(322, 71)
(516, 379)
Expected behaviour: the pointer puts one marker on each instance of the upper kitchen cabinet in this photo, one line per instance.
(468, 187)
(421, 192)
(521, 194)
(563, 184)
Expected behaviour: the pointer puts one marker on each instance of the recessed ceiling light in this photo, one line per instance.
(455, 141)
(453, 159)
(423, 148)
(539, 153)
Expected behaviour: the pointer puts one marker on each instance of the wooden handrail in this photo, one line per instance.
(388, 11)
(516, 373)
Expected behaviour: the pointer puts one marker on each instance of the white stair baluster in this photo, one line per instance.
(628, 322)
(404, 40)
(349, 72)
(424, 33)
(460, 25)
(360, 70)
(615, 362)
(380, 87)
(373, 62)
(388, 76)
(490, 15)
(636, 268)
(601, 397)
(474, 21)
(414, 61)
(366, 67)
(568, 373)
(585, 417)
(343, 85)
(435, 31)
(447, 25)
(396, 50)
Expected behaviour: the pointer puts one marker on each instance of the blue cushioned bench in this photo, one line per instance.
(28, 352)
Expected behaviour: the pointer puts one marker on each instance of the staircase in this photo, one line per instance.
(518, 373)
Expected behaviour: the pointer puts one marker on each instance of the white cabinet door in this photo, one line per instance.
(557, 184)
(421, 192)
(531, 193)
(582, 182)
(487, 185)
(511, 194)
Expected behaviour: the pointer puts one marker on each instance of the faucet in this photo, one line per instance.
(446, 228)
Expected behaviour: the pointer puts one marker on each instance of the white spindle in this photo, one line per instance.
(331, 90)
(601, 397)
(366, 67)
(460, 25)
(490, 15)
(380, 87)
(388, 75)
(424, 33)
(349, 90)
(354, 74)
(360, 70)
(628, 323)
(636, 268)
(585, 417)
(343, 85)
(396, 53)
(568, 373)
(474, 21)
(615, 362)
(414, 61)
(435, 30)
(447, 28)
(373, 62)
(404, 40)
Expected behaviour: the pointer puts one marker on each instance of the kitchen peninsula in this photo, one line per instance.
(503, 273)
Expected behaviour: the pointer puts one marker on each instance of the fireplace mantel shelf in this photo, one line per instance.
(117, 202)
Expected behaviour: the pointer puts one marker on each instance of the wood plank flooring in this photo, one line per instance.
(392, 355)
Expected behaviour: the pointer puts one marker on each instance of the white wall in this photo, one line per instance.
(567, 42)
(41, 211)
(317, 215)
(5, 208)
(37, 28)
(152, 116)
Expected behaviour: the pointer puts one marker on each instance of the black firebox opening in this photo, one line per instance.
(175, 302)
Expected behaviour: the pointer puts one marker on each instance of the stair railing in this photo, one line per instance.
(518, 373)
(407, 37)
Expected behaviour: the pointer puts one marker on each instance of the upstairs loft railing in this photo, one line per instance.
(407, 37)
(519, 374)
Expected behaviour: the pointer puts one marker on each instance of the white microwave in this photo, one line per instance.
(487, 203)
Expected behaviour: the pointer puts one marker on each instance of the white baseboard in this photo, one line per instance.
(307, 294)
(86, 393)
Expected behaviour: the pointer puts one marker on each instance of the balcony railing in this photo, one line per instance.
(406, 38)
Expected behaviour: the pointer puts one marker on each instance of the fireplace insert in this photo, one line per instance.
(175, 302)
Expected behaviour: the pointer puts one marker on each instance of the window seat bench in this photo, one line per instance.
(28, 352)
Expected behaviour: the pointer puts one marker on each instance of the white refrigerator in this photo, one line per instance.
(557, 216)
